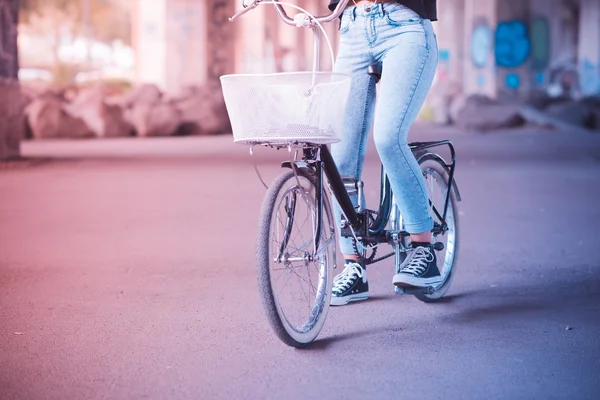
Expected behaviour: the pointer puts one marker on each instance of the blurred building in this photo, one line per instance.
(493, 47)
(187, 42)
(512, 47)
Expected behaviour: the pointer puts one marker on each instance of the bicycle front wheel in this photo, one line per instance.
(437, 182)
(294, 280)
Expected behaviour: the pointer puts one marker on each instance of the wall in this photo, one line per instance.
(9, 62)
(186, 39)
(267, 44)
(449, 79)
(252, 43)
(220, 39)
(183, 42)
(150, 41)
(479, 74)
(554, 26)
(589, 48)
(498, 48)
(512, 48)
(11, 110)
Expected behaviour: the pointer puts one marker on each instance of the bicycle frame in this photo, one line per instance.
(320, 160)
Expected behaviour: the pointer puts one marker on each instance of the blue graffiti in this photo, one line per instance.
(512, 44)
(540, 78)
(444, 55)
(481, 45)
(480, 80)
(589, 77)
(513, 81)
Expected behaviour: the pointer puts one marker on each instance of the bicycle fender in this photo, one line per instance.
(426, 155)
(298, 165)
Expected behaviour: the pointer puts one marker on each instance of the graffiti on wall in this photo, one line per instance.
(8, 39)
(540, 44)
(512, 47)
(589, 77)
(221, 43)
(481, 43)
(513, 81)
(443, 70)
(540, 48)
(512, 44)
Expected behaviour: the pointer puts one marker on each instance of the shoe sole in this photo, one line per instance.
(403, 281)
(342, 301)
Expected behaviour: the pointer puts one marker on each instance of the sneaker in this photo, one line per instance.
(350, 285)
(419, 269)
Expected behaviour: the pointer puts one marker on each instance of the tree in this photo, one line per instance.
(61, 21)
(109, 20)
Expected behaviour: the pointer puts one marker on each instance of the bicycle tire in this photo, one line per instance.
(433, 168)
(303, 331)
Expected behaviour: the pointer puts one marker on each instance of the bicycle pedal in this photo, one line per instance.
(407, 291)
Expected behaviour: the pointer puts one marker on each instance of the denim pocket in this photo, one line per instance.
(345, 23)
(399, 15)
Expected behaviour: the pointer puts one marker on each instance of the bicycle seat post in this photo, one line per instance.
(360, 187)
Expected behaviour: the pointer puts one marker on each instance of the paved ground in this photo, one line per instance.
(127, 272)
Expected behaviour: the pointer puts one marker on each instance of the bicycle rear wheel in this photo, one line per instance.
(437, 181)
(294, 282)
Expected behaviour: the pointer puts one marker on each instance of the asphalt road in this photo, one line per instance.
(127, 272)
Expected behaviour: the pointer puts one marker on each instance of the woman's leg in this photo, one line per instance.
(354, 58)
(408, 51)
(408, 68)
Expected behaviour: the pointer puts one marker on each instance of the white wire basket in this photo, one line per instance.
(286, 108)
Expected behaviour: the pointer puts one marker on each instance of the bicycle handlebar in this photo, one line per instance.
(290, 21)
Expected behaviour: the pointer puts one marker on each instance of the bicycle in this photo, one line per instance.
(296, 236)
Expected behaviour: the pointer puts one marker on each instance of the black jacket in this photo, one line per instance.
(425, 8)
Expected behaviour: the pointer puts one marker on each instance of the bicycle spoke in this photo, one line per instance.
(298, 279)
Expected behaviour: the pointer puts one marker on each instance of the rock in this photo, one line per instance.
(483, 114)
(161, 119)
(594, 105)
(456, 105)
(571, 112)
(203, 110)
(105, 120)
(47, 118)
(595, 120)
(12, 118)
(148, 112)
(541, 100)
(445, 98)
(479, 100)
(146, 94)
(539, 118)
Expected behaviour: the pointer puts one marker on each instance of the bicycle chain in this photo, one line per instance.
(371, 259)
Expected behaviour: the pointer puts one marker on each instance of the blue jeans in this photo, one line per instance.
(406, 47)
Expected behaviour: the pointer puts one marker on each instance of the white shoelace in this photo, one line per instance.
(344, 279)
(418, 262)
